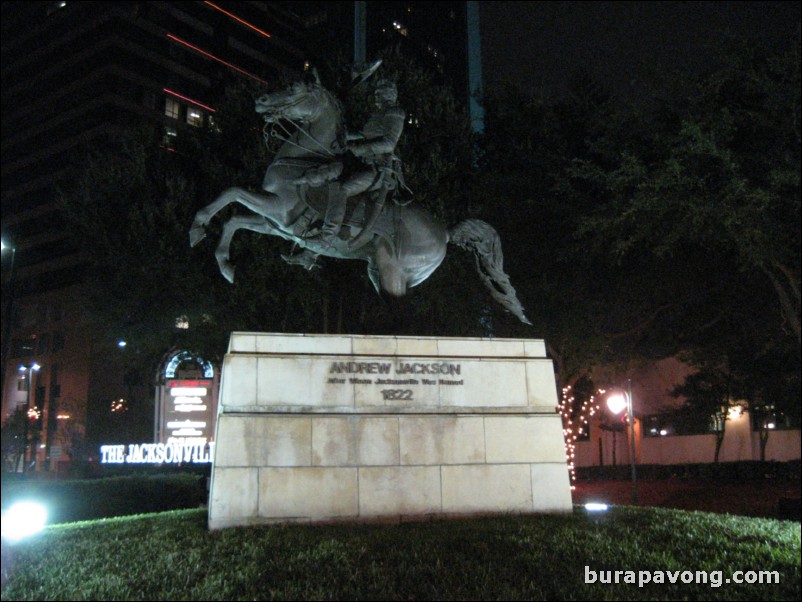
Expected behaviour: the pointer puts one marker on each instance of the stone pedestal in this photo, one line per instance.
(318, 428)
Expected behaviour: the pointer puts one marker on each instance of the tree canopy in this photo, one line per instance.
(666, 226)
(712, 194)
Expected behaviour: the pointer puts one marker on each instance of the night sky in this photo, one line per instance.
(542, 44)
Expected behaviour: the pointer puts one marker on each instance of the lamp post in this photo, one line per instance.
(30, 370)
(616, 404)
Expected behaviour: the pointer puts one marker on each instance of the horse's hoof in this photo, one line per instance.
(227, 271)
(306, 260)
(196, 234)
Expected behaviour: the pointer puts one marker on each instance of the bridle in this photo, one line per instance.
(279, 127)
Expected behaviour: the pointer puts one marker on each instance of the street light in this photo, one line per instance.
(29, 370)
(616, 403)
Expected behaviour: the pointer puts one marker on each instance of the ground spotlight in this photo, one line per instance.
(22, 520)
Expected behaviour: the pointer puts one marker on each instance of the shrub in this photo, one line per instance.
(69, 501)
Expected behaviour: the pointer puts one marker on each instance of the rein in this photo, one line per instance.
(280, 132)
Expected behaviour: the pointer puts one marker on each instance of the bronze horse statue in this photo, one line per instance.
(403, 245)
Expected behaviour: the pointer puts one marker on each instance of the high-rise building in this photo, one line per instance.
(75, 74)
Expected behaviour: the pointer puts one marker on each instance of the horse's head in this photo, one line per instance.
(301, 102)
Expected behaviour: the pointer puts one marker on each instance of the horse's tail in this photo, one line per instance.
(481, 238)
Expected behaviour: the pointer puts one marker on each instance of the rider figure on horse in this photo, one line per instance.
(375, 145)
(401, 251)
(378, 174)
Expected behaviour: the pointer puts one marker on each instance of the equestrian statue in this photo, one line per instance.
(324, 208)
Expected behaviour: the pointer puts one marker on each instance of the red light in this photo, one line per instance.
(195, 102)
(214, 58)
(236, 18)
(189, 383)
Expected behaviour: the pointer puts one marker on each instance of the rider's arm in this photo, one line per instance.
(392, 126)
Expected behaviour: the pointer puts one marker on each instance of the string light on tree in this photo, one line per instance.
(118, 406)
(575, 421)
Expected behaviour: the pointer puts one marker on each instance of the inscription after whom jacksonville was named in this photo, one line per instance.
(387, 373)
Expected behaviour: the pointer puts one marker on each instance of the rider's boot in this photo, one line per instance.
(335, 214)
(332, 222)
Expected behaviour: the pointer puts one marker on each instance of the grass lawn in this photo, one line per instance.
(172, 556)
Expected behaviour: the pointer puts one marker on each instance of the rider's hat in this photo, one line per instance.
(360, 73)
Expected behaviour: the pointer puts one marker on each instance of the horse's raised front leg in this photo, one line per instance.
(255, 223)
(261, 204)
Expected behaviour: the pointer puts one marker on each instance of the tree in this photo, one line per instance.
(710, 394)
(667, 227)
(723, 181)
(530, 146)
(698, 209)
(578, 403)
(13, 440)
(71, 428)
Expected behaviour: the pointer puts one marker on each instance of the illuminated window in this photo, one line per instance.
(182, 322)
(172, 108)
(194, 117)
(768, 418)
(170, 135)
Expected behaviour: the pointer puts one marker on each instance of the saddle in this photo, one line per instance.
(359, 225)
